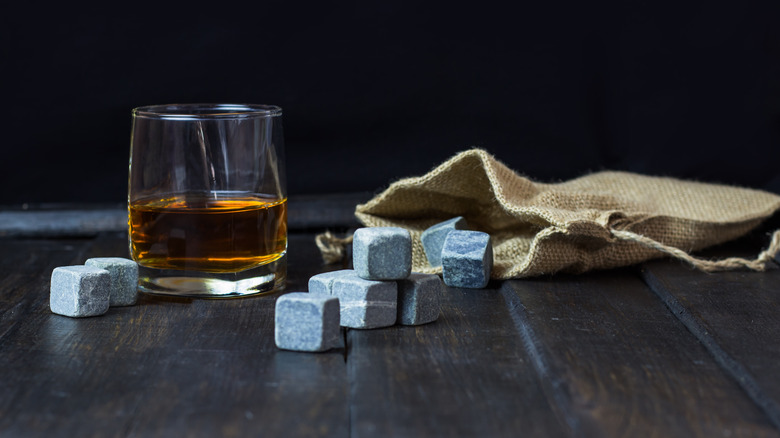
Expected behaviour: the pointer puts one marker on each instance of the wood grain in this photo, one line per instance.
(615, 362)
(166, 367)
(736, 316)
(593, 355)
(464, 375)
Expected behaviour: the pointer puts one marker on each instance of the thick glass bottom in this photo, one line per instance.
(265, 279)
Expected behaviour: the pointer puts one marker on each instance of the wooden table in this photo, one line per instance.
(654, 350)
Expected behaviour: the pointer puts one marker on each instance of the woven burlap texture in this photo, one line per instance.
(539, 228)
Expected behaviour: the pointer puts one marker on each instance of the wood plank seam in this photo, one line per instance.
(344, 331)
(352, 382)
(730, 365)
(552, 386)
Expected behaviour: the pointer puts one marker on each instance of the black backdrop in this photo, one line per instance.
(373, 92)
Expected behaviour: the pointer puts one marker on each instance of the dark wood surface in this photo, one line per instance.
(736, 319)
(654, 350)
(617, 363)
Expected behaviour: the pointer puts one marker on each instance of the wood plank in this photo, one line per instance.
(166, 367)
(617, 362)
(592, 355)
(59, 223)
(305, 212)
(25, 270)
(465, 374)
(735, 315)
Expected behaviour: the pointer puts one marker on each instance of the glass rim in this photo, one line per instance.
(206, 111)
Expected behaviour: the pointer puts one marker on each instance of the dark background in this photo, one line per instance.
(373, 92)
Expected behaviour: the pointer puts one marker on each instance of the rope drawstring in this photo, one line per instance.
(731, 263)
(332, 248)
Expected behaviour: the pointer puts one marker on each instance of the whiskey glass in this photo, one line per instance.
(207, 204)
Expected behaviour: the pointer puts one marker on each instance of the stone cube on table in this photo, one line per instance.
(307, 322)
(382, 253)
(79, 291)
(418, 299)
(364, 304)
(467, 259)
(124, 279)
(433, 238)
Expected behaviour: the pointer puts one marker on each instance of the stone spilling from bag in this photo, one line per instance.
(382, 253)
(124, 279)
(433, 238)
(79, 291)
(467, 259)
(601, 220)
(307, 322)
(418, 299)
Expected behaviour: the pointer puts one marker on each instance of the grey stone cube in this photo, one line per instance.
(124, 279)
(382, 253)
(79, 291)
(467, 259)
(323, 283)
(366, 304)
(307, 322)
(418, 299)
(433, 238)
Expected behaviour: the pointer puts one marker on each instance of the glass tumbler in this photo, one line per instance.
(207, 201)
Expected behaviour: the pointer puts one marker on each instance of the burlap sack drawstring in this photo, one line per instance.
(727, 264)
(332, 248)
(598, 221)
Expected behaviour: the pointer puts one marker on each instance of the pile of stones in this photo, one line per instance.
(465, 257)
(90, 289)
(381, 290)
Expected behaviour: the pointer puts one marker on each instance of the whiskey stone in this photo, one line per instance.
(382, 253)
(307, 322)
(467, 259)
(418, 299)
(433, 238)
(124, 279)
(366, 304)
(323, 283)
(79, 291)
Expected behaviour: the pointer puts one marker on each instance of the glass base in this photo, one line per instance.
(265, 279)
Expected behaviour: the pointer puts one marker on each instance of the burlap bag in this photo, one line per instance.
(602, 220)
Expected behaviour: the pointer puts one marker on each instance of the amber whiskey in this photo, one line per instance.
(206, 233)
